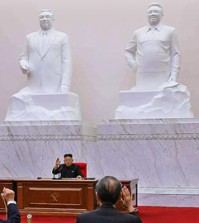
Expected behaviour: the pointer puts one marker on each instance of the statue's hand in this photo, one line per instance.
(25, 69)
(172, 78)
(134, 66)
(64, 89)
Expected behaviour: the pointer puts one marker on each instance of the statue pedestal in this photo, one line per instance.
(171, 102)
(43, 106)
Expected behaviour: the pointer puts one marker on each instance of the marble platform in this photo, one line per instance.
(163, 154)
(29, 149)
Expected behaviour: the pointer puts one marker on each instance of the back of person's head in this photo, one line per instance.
(108, 189)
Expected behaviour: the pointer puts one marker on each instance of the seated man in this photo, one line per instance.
(13, 213)
(67, 169)
(108, 191)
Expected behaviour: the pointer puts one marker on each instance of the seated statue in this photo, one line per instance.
(46, 60)
(154, 55)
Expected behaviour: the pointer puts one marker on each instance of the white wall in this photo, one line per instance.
(99, 31)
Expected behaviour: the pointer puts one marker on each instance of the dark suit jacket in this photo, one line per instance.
(108, 214)
(68, 171)
(13, 215)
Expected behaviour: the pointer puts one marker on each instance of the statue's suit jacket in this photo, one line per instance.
(13, 215)
(153, 52)
(108, 214)
(50, 68)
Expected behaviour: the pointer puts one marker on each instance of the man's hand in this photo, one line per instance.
(127, 200)
(8, 194)
(79, 177)
(57, 163)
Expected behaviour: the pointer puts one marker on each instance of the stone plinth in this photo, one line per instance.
(166, 102)
(41, 107)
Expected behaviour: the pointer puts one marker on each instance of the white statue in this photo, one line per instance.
(154, 55)
(46, 60)
(153, 51)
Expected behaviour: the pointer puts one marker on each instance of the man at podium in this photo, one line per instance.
(68, 169)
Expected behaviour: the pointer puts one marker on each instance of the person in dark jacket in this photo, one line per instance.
(108, 191)
(13, 215)
(67, 169)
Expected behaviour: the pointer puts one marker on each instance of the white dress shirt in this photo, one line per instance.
(11, 202)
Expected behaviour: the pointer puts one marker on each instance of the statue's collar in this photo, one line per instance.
(47, 32)
(157, 27)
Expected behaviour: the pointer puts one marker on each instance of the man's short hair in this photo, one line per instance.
(108, 189)
(155, 4)
(47, 10)
(69, 154)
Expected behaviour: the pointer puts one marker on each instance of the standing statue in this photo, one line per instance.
(154, 55)
(153, 51)
(46, 60)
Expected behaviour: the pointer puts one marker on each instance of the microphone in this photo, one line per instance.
(29, 218)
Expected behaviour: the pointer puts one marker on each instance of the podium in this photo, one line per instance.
(64, 197)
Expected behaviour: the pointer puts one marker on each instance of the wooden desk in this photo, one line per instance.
(59, 197)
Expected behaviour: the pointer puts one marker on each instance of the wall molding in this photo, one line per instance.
(184, 136)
